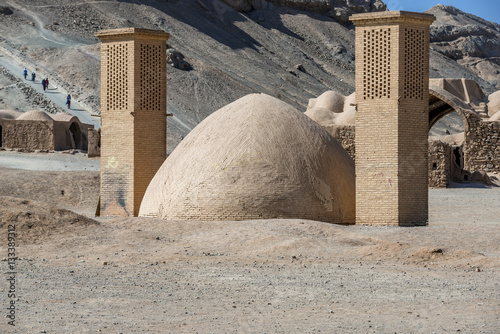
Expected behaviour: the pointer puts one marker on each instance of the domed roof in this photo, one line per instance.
(494, 103)
(330, 100)
(63, 117)
(35, 115)
(9, 114)
(256, 158)
(495, 117)
(332, 109)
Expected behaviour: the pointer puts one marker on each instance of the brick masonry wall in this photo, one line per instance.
(392, 65)
(29, 135)
(133, 116)
(150, 146)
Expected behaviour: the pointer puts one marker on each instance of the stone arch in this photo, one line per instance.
(442, 103)
(76, 134)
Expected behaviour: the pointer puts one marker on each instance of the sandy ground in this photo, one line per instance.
(75, 274)
(59, 161)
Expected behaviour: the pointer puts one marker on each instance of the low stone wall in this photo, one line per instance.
(345, 135)
(481, 153)
(29, 135)
(94, 148)
(482, 145)
(440, 161)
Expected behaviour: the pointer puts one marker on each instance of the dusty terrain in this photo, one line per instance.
(76, 274)
(81, 274)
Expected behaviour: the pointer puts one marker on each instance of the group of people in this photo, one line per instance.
(45, 82)
(25, 73)
(45, 85)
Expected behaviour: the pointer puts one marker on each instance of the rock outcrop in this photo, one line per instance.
(473, 42)
(337, 9)
(231, 54)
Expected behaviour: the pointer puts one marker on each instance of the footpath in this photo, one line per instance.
(55, 93)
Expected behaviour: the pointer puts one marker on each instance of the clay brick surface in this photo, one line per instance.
(133, 116)
(256, 158)
(392, 66)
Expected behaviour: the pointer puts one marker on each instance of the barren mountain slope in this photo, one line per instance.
(473, 42)
(231, 53)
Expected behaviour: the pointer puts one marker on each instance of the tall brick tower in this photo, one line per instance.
(133, 115)
(392, 120)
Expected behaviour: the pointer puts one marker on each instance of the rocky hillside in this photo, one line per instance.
(472, 42)
(340, 10)
(293, 50)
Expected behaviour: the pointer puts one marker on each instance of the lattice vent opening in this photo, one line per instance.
(377, 63)
(414, 64)
(117, 76)
(150, 77)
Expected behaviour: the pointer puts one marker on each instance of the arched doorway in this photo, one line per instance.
(76, 133)
(441, 104)
(448, 123)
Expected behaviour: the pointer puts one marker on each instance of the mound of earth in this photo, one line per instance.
(75, 190)
(36, 222)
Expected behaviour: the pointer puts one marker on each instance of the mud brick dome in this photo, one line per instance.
(35, 115)
(9, 114)
(256, 158)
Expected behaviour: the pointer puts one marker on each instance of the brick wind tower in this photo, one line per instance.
(133, 116)
(392, 119)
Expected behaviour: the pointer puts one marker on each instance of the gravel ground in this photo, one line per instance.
(59, 161)
(138, 275)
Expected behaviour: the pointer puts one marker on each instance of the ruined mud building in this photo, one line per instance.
(468, 159)
(37, 130)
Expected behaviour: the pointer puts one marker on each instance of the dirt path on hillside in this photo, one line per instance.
(55, 93)
(58, 161)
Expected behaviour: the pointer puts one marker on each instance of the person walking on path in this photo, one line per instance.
(68, 101)
(33, 75)
(44, 84)
(47, 82)
(25, 73)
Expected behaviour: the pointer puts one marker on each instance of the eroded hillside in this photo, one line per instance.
(284, 52)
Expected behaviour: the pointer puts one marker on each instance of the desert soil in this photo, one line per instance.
(77, 274)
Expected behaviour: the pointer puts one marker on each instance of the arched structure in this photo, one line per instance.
(76, 134)
(442, 103)
(37, 130)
